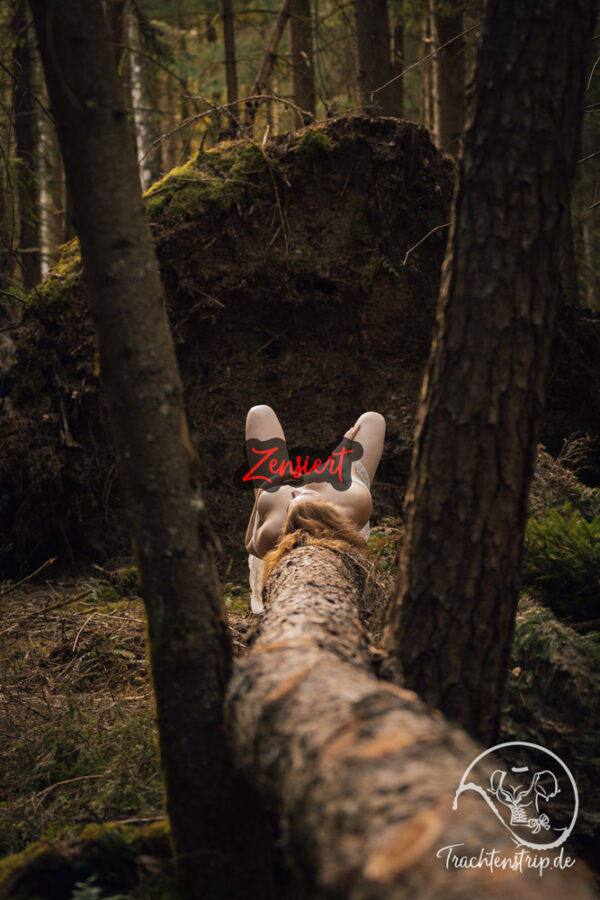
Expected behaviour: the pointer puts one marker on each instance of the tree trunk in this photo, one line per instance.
(26, 141)
(188, 639)
(229, 41)
(7, 198)
(51, 187)
(143, 108)
(482, 400)
(449, 74)
(434, 74)
(361, 774)
(170, 120)
(587, 236)
(115, 19)
(427, 84)
(267, 63)
(398, 65)
(303, 72)
(375, 69)
(568, 264)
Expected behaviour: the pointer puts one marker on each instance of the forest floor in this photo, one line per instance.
(76, 705)
(80, 744)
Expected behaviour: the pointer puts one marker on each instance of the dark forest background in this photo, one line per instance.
(186, 68)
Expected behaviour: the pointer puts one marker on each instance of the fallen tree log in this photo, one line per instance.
(361, 773)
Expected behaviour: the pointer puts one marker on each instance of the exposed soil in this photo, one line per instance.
(285, 282)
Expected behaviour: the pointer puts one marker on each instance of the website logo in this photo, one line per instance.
(533, 795)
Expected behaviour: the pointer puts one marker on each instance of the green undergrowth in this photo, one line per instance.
(553, 698)
(79, 740)
(556, 486)
(562, 562)
(105, 862)
(237, 599)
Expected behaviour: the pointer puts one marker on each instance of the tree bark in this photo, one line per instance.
(115, 19)
(449, 74)
(7, 194)
(374, 57)
(189, 644)
(26, 141)
(568, 264)
(51, 187)
(427, 83)
(587, 237)
(229, 41)
(482, 397)
(143, 108)
(361, 774)
(303, 72)
(398, 64)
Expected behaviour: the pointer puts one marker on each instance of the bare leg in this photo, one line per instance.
(262, 424)
(369, 431)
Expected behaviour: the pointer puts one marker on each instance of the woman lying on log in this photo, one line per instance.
(309, 501)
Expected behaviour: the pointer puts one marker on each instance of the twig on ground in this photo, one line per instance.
(60, 783)
(13, 587)
(47, 609)
(77, 636)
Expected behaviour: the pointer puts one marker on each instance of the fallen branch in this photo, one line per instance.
(40, 569)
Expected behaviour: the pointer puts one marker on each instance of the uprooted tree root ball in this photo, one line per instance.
(287, 281)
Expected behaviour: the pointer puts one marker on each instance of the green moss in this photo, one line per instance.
(58, 286)
(105, 859)
(11, 864)
(70, 259)
(210, 181)
(314, 148)
(237, 599)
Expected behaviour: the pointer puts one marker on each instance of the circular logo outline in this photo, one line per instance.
(462, 787)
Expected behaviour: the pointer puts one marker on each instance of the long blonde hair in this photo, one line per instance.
(314, 522)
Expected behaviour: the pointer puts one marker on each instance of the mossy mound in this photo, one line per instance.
(284, 280)
(108, 860)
